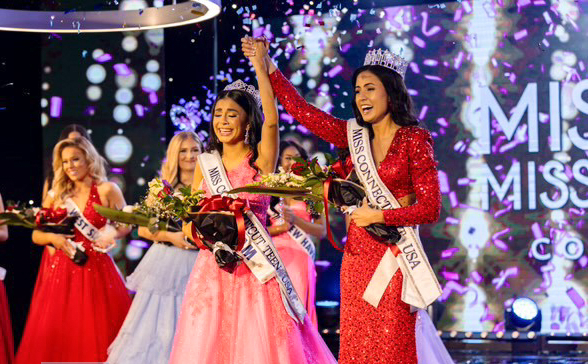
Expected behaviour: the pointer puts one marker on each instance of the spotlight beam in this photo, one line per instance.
(188, 12)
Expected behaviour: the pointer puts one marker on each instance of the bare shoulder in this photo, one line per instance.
(107, 188)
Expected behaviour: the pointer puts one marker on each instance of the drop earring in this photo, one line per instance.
(247, 135)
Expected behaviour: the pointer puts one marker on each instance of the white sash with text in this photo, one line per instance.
(261, 256)
(420, 286)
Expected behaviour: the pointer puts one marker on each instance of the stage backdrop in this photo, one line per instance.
(113, 85)
(500, 86)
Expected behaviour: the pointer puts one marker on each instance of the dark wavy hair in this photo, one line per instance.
(254, 120)
(400, 105)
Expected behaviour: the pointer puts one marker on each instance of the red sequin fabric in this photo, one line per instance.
(385, 334)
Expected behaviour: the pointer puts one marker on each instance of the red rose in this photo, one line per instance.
(297, 168)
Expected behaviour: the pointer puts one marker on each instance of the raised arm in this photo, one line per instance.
(320, 123)
(270, 132)
(323, 125)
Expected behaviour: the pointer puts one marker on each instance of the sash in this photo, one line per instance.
(82, 224)
(420, 286)
(260, 254)
(298, 235)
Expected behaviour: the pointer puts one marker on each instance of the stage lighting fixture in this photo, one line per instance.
(523, 315)
(100, 21)
(328, 314)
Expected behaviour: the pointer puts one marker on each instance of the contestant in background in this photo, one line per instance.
(69, 132)
(403, 154)
(232, 318)
(286, 212)
(77, 310)
(6, 340)
(160, 278)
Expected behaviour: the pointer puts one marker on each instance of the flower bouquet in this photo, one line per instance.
(336, 184)
(48, 220)
(162, 209)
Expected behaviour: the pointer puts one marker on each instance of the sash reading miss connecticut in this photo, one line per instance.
(82, 224)
(261, 256)
(298, 235)
(420, 286)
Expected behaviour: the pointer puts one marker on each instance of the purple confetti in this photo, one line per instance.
(104, 58)
(521, 34)
(583, 261)
(335, 71)
(450, 287)
(139, 110)
(423, 113)
(477, 277)
(453, 199)
(452, 220)
(448, 253)
(433, 78)
(414, 67)
(56, 106)
(418, 42)
(139, 244)
(443, 182)
(500, 244)
(153, 98)
(458, 60)
(450, 276)
(575, 297)
(434, 30)
(122, 69)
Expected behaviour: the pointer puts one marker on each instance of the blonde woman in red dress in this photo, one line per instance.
(6, 340)
(403, 155)
(76, 310)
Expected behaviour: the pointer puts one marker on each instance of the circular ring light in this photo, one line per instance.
(188, 12)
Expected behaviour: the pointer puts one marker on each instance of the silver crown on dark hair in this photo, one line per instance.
(386, 59)
(242, 86)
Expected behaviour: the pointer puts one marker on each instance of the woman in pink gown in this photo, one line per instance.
(232, 318)
(299, 263)
(76, 310)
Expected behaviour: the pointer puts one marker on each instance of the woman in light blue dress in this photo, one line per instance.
(160, 279)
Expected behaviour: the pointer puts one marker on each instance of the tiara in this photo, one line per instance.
(386, 59)
(242, 86)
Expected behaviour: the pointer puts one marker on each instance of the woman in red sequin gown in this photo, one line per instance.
(76, 311)
(403, 153)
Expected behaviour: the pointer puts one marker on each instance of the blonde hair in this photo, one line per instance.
(62, 186)
(171, 164)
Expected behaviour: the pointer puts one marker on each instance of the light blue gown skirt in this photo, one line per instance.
(159, 281)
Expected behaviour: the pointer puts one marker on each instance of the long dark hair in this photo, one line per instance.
(254, 121)
(274, 201)
(400, 105)
(64, 135)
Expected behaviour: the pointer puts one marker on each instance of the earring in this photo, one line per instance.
(247, 136)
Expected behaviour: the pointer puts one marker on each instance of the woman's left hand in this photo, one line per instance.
(289, 215)
(106, 239)
(365, 215)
